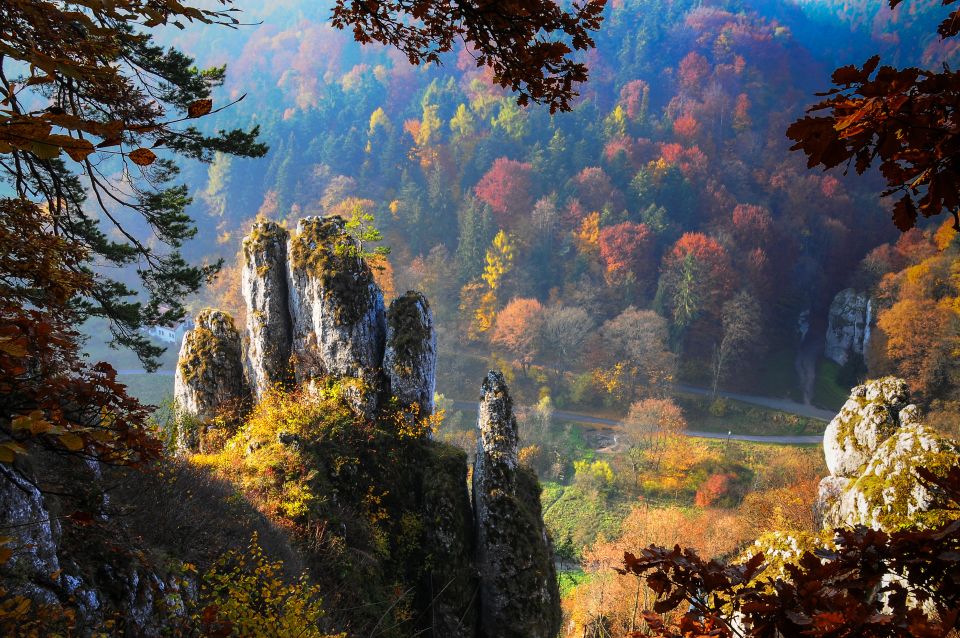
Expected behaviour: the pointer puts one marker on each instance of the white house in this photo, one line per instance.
(172, 334)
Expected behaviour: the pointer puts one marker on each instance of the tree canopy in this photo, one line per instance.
(902, 119)
(526, 43)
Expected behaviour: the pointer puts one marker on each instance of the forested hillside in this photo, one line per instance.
(348, 221)
(669, 187)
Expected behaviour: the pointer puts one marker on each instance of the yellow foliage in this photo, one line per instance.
(379, 119)
(244, 594)
(499, 260)
(588, 235)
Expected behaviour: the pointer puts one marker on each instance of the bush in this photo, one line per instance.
(244, 594)
(719, 407)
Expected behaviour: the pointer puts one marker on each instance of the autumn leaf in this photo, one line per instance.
(199, 108)
(13, 347)
(142, 157)
(77, 149)
(71, 441)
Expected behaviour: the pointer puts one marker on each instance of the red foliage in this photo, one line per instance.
(627, 247)
(506, 188)
(631, 97)
(621, 147)
(693, 70)
(752, 224)
(686, 126)
(595, 190)
(713, 489)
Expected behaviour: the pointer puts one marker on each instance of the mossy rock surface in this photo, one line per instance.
(890, 495)
(323, 249)
(407, 320)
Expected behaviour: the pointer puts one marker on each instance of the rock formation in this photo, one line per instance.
(339, 327)
(264, 287)
(489, 566)
(872, 448)
(209, 376)
(848, 326)
(410, 360)
(313, 310)
(518, 584)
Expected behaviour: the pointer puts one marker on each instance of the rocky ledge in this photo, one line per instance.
(872, 448)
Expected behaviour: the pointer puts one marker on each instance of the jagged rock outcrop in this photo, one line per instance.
(264, 287)
(518, 585)
(209, 376)
(410, 359)
(872, 449)
(848, 326)
(869, 416)
(34, 557)
(314, 310)
(339, 324)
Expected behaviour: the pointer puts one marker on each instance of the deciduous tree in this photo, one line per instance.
(518, 329)
(901, 119)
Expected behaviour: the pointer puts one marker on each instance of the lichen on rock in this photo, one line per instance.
(518, 586)
(264, 288)
(337, 308)
(869, 416)
(873, 448)
(209, 376)
(410, 359)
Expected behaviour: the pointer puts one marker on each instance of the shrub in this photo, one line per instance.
(244, 594)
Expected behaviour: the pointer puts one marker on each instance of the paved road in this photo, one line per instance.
(784, 405)
(777, 404)
(564, 415)
(160, 373)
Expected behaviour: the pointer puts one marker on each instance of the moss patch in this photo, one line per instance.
(324, 250)
(261, 236)
(410, 331)
(891, 493)
(205, 347)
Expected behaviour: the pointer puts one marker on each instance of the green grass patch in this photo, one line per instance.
(706, 414)
(778, 377)
(828, 391)
(581, 516)
(152, 389)
(569, 579)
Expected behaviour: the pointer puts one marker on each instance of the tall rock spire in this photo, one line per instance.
(209, 377)
(339, 326)
(410, 360)
(518, 585)
(264, 288)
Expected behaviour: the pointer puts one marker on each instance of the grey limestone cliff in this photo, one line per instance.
(848, 326)
(410, 359)
(209, 376)
(518, 585)
(339, 324)
(872, 449)
(264, 287)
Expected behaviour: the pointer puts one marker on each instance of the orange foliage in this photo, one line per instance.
(518, 329)
(686, 126)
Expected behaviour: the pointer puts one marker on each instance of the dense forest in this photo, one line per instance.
(667, 199)
(682, 331)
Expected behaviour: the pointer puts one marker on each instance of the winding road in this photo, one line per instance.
(564, 415)
(784, 405)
